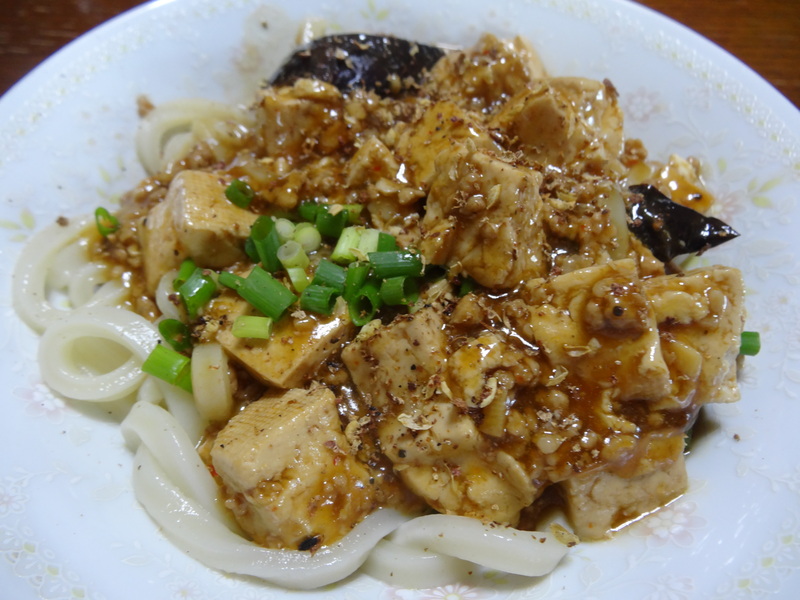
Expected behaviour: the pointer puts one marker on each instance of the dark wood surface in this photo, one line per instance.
(764, 34)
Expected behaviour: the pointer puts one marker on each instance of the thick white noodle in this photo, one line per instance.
(96, 354)
(152, 426)
(411, 567)
(154, 144)
(193, 529)
(165, 292)
(528, 553)
(211, 382)
(180, 404)
(32, 283)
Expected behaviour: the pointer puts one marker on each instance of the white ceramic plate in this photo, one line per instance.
(69, 525)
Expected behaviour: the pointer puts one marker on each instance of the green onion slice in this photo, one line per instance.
(364, 304)
(239, 193)
(348, 242)
(291, 254)
(331, 225)
(399, 263)
(170, 366)
(299, 278)
(750, 343)
(356, 277)
(176, 334)
(197, 291)
(318, 299)
(106, 222)
(329, 274)
(399, 290)
(252, 326)
(308, 210)
(307, 236)
(268, 295)
(184, 272)
(386, 242)
(231, 280)
(266, 241)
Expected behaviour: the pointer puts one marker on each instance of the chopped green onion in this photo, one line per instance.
(395, 264)
(285, 229)
(307, 236)
(369, 241)
(348, 241)
(291, 254)
(386, 242)
(266, 241)
(106, 222)
(399, 290)
(468, 285)
(184, 272)
(330, 275)
(298, 277)
(353, 212)
(231, 280)
(197, 291)
(355, 279)
(268, 295)
(239, 193)
(750, 344)
(364, 304)
(170, 366)
(331, 225)
(308, 210)
(318, 299)
(176, 334)
(252, 326)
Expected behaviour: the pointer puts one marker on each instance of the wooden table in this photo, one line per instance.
(765, 34)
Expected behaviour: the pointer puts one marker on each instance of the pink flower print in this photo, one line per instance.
(669, 587)
(41, 402)
(729, 203)
(672, 524)
(642, 104)
(456, 591)
(12, 500)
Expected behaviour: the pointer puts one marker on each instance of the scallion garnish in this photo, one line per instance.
(308, 210)
(355, 278)
(350, 238)
(231, 280)
(285, 229)
(170, 366)
(468, 285)
(399, 290)
(750, 344)
(239, 193)
(328, 224)
(291, 254)
(299, 278)
(364, 304)
(318, 299)
(252, 326)
(176, 334)
(386, 242)
(266, 241)
(307, 236)
(329, 274)
(369, 241)
(106, 222)
(268, 295)
(197, 291)
(398, 263)
(184, 272)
